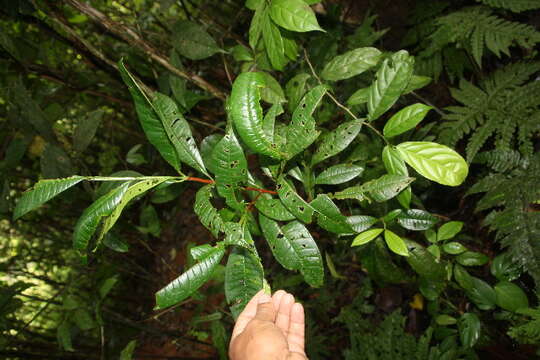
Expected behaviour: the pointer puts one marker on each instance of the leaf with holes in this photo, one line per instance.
(207, 213)
(391, 79)
(294, 15)
(396, 166)
(329, 217)
(230, 169)
(351, 63)
(416, 220)
(294, 202)
(42, 192)
(192, 41)
(238, 235)
(379, 190)
(295, 90)
(152, 126)
(405, 119)
(178, 131)
(186, 284)
(336, 141)
(434, 161)
(301, 132)
(281, 247)
(246, 114)
(244, 277)
(339, 174)
(273, 208)
(395, 243)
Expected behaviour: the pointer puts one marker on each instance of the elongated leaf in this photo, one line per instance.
(293, 202)
(417, 82)
(272, 93)
(392, 78)
(42, 192)
(396, 166)
(192, 41)
(246, 113)
(238, 234)
(395, 243)
(186, 284)
(207, 147)
(454, 248)
(295, 90)
(152, 126)
(244, 277)
(274, 209)
(361, 223)
(281, 247)
(273, 42)
(207, 213)
(336, 141)
(230, 168)
(434, 161)
(339, 174)
(469, 329)
(510, 296)
(55, 162)
(366, 236)
(416, 220)
(301, 131)
(269, 120)
(178, 131)
(360, 96)
(86, 129)
(482, 294)
(294, 15)
(329, 216)
(88, 222)
(425, 264)
(351, 63)
(381, 189)
(255, 28)
(405, 119)
(449, 230)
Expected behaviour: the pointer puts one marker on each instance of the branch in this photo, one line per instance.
(248, 188)
(131, 37)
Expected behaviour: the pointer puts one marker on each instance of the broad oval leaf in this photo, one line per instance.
(469, 329)
(445, 320)
(272, 93)
(246, 114)
(152, 126)
(416, 220)
(295, 90)
(424, 263)
(273, 42)
(366, 236)
(187, 283)
(472, 258)
(449, 230)
(42, 192)
(329, 217)
(339, 174)
(392, 78)
(417, 82)
(244, 277)
(395, 243)
(462, 277)
(434, 161)
(294, 202)
(482, 294)
(274, 209)
(207, 213)
(351, 63)
(192, 41)
(294, 15)
(454, 248)
(360, 96)
(361, 223)
(336, 141)
(178, 131)
(504, 268)
(405, 119)
(510, 296)
(381, 189)
(395, 165)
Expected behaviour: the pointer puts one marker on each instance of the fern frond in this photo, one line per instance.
(501, 160)
(513, 5)
(528, 332)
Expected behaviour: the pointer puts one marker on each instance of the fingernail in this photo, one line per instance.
(264, 298)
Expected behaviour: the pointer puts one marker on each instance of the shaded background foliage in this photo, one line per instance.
(64, 110)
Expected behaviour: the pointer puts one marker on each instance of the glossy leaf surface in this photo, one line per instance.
(405, 119)
(294, 15)
(336, 141)
(339, 174)
(416, 220)
(294, 202)
(395, 243)
(366, 236)
(329, 217)
(381, 189)
(351, 63)
(274, 209)
(207, 213)
(396, 166)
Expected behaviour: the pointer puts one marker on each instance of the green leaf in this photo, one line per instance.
(417, 82)
(42, 192)
(504, 268)
(55, 162)
(392, 78)
(434, 161)
(269, 120)
(91, 217)
(396, 166)
(86, 129)
(336, 141)
(272, 92)
(255, 28)
(366, 236)
(360, 96)
(425, 264)
(244, 277)
(281, 247)
(152, 126)
(405, 119)
(83, 320)
(454, 248)
(274, 209)
(416, 220)
(361, 223)
(63, 334)
(395, 243)
(114, 243)
(273, 42)
(186, 284)
(127, 352)
(294, 15)
(482, 294)
(351, 63)
(295, 90)
(207, 213)
(192, 41)
(381, 189)
(253, 4)
(329, 217)
(293, 202)
(462, 277)
(434, 250)
(241, 53)
(301, 132)
(178, 131)
(230, 169)
(246, 114)
(510, 296)
(469, 329)
(449, 230)
(339, 174)
(207, 147)
(471, 258)
(445, 320)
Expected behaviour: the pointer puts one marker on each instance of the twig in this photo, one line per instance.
(248, 188)
(439, 111)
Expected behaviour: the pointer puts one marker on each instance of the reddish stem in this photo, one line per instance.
(208, 181)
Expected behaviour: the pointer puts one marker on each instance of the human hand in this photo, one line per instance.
(269, 328)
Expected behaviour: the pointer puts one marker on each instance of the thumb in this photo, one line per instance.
(265, 309)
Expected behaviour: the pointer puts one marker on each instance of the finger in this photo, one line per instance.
(265, 309)
(284, 313)
(296, 334)
(246, 315)
(276, 298)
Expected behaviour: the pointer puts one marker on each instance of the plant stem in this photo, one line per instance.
(248, 188)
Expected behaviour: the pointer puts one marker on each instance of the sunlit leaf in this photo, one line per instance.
(294, 15)
(339, 174)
